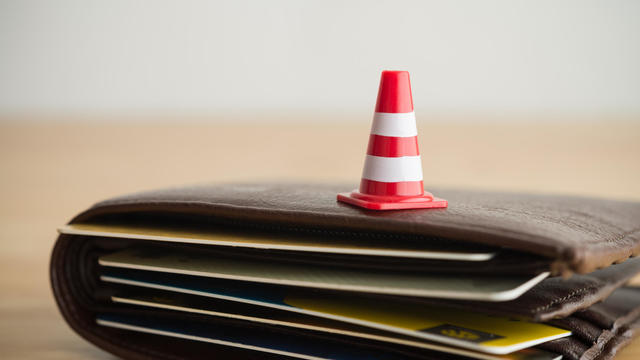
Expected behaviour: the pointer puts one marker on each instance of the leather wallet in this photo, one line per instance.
(581, 245)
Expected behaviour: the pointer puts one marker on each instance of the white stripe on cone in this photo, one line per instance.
(394, 124)
(392, 169)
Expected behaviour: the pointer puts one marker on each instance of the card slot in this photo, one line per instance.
(499, 335)
(556, 297)
(150, 346)
(196, 223)
(239, 329)
(88, 297)
(87, 274)
(139, 297)
(455, 286)
(77, 291)
(82, 276)
(506, 262)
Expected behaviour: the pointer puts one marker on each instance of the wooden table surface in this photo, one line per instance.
(51, 171)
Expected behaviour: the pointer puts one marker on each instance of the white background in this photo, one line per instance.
(235, 56)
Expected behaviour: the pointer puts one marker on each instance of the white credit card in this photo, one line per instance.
(330, 243)
(199, 305)
(449, 286)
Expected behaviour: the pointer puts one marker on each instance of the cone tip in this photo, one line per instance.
(395, 72)
(394, 94)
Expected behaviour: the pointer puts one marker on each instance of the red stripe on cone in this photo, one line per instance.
(394, 94)
(390, 146)
(404, 188)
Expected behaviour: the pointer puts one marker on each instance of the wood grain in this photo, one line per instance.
(49, 172)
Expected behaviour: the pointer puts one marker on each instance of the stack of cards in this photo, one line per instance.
(248, 290)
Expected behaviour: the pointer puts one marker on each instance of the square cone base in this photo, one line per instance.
(410, 202)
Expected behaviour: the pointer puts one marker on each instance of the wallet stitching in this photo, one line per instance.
(624, 235)
(564, 298)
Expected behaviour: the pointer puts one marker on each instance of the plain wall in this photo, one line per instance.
(230, 56)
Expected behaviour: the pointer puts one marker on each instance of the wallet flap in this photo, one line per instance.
(578, 234)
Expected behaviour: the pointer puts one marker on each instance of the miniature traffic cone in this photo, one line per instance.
(392, 175)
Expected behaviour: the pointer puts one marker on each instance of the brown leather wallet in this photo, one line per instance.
(584, 243)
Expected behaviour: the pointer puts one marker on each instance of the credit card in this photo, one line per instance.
(330, 244)
(474, 331)
(212, 307)
(448, 286)
(251, 339)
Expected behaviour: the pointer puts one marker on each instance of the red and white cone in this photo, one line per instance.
(392, 175)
